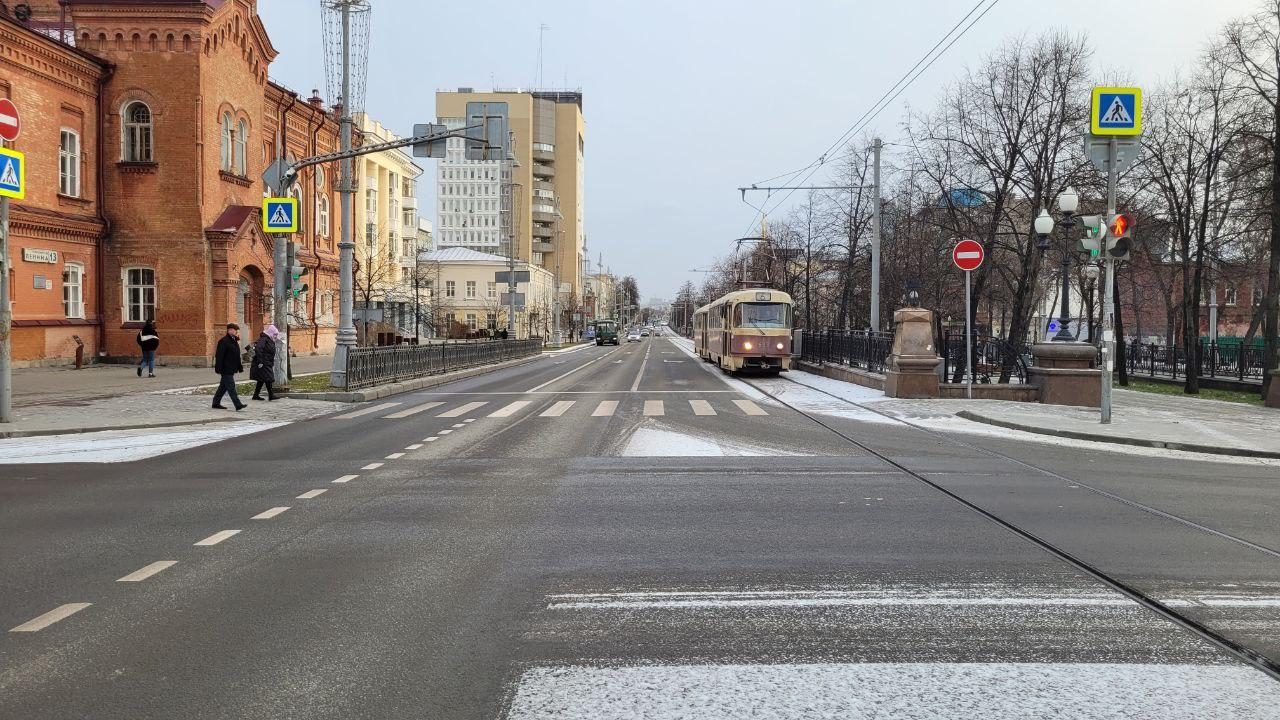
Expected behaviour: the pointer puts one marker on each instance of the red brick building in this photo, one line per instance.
(176, 120)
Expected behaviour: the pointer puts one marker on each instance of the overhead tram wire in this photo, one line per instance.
(885, 100)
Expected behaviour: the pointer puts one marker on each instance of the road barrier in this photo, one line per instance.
(369, 366)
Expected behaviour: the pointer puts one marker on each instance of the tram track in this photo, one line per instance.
(1227, 645)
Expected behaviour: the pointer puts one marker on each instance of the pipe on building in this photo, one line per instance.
(100, 184)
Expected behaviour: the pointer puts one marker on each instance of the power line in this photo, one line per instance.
(888, 97)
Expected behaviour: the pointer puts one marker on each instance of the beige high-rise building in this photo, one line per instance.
(548, 216)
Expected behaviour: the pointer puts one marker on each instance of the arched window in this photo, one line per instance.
(136, 144)
(322, 215)
(226, 142)
(241, 146)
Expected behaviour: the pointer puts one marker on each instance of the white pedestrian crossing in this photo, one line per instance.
(367, 411)
(558, 409)
(510, 409)
(702, 407)
(750, 407)
(647, 407)
(606, 408)
(463, 410)
(410, 412)
(654, 408)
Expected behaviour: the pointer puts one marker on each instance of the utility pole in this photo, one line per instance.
(345, 338)
(1108, 310)
(875, 237)
(280, 309)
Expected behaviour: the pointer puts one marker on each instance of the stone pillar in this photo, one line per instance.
(1273, 394)
(913, 366)
(1066, 374)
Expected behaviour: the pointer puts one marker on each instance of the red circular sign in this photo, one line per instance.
(10, 126)
(968, 255)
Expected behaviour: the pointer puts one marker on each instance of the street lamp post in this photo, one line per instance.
(1068, 203)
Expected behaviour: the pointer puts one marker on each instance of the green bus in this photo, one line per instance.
(606, 332)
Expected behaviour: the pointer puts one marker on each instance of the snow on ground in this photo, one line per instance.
(852, 691)
(808, 399)
(657, 441)
(120, 445)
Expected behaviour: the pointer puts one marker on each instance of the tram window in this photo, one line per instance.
(758, 314)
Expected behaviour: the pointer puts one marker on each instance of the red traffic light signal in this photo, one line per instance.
(1118, 243)
(1119, 226)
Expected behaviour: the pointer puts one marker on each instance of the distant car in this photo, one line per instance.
(633, 336)
(644, 333)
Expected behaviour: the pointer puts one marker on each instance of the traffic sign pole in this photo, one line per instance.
(968, 332)
(6, 319)
(1108, 311)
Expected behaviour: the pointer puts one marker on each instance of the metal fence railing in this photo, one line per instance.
(994, 359)
(866, 349)
(1232, 362)
(368, 366)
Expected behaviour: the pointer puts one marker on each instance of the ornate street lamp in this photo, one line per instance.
(1068, 203)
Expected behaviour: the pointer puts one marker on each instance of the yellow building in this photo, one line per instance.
(548, 215)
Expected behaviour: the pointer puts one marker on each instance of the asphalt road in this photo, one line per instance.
(619, 533)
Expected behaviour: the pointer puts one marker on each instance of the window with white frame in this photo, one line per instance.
(471, 289)
(137, 129)
(322, 215)
(225, 146)
(493, 290)
(241, 148)
(1258, 294)
(73, 290)
(471, 321)
(1231, 296)
(69, 163)
(450, 288)
(139, 294)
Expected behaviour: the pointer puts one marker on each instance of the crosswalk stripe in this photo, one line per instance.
(510, 409)
(558, 409)
(410, 412)
(654, 408)
(702, 407)
(463, 410)
(606, 408)
(749, 407)
(366, 411)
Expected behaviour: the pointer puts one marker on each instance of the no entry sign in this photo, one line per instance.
(967, 255)
(10, 126)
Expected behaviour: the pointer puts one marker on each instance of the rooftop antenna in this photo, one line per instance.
(542, 30)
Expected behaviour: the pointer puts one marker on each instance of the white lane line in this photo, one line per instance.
(433, 438)
(636, 385)
(143, 573)
(217, 537)
(469, 420)
(462, 410)
(445, 432)
(372, 466)
(702, 407)
(394, 456)
(561, 377)
(346, 478)
(366, 411)
(415, 446)
(459, 425)
(510, 410)
(313, 493)
(59, 613)
(268, 514)
(654, 408)
(410, 412)
(606, 408)
(558, 409)
(749, 407)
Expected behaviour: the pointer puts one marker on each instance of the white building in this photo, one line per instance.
(469, 197)
(463, 296)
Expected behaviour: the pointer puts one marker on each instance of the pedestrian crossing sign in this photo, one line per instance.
(1116, 111)
(13, 178)
(279, 215)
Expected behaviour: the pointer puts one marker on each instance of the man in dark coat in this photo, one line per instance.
(226, 362)
(263, 368)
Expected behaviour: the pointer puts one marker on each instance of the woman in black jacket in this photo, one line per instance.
(148, 341)
(264, 363)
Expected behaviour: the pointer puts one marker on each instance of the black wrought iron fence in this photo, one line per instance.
(1235, 362)
(994, 359)
(368, 366)
(865, 349)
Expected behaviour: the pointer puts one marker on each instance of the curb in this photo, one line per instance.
(380, 391)
(11, 434)
(1137, 442)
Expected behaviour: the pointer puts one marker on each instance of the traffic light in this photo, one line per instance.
(1091, 243)
(1119, 243)
(294, 271)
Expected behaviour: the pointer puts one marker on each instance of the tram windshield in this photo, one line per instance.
(760, 315)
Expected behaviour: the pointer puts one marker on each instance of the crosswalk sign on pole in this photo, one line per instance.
(1116, 111)
(279, 215)
(13, 174)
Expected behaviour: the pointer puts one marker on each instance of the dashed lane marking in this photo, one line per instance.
(750, 407)
(702, 407)
(372, 466)
(415, 446)
(367, 411)
(394, 456)
(445, 432)
(346, 478)
(459, 425)
(313, 493)
(462, 410)
(61, 612)
(654, 408)
(143, 573)
(558, 409)
(268, 514)
(606, 408)
(510, 409)
(410, 412)
(433, 438)
(469, 420)
(217, 537)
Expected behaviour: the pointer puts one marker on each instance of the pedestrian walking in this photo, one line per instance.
(148, 341)
(227, 363)
(263, 369)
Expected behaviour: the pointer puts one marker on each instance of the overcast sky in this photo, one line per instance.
(687, 100)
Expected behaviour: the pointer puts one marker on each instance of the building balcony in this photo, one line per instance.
(544, 156)
(542, 170)
(544, 247)
(408, 202)
(543, 232)
(544, 217)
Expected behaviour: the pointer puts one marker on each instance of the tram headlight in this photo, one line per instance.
(746, 345)
(781, 346)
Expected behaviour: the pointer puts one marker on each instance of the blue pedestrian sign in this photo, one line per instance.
(1116, 111)
(279, 215)
(13, 179)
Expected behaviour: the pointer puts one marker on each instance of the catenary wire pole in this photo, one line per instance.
(875, 237)
(345, 337)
